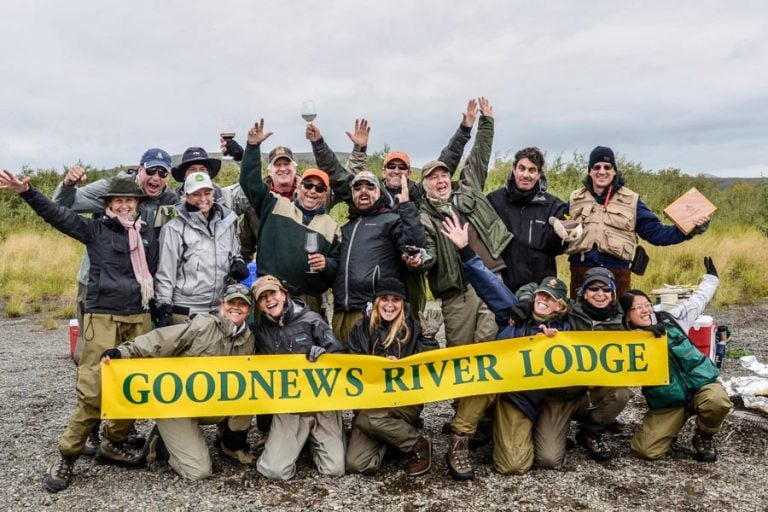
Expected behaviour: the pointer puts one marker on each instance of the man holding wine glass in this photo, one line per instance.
(288, 224)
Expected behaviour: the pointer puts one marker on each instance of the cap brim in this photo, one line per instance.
(157, 163)
(238, 296)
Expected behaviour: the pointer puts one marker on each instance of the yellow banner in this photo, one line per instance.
(224, 386)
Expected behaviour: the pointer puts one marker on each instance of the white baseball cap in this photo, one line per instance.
(197, 181)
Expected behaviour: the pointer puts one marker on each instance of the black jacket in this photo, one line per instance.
(362, 340)
(530, 257)
(112, 285)
(298, 329)
(372, 245)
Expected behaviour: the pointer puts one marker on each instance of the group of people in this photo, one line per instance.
(173, 260)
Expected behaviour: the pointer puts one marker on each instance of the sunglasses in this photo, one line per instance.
(605, 167)
(604, 289)
(308, 185)
(393, 166)
(161, 171)
(363, 185)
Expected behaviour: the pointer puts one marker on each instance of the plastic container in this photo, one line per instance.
(74, 332)
(248, 281)
(702, 335)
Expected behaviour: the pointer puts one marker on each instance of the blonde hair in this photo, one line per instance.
(398, 331)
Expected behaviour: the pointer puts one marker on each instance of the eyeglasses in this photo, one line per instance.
(363, 185)
(160, 171)
(308, 185)
(604, 167)
(393, 166)
(646, 305)
(604, 289)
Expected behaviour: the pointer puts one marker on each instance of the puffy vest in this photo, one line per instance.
(611, 227)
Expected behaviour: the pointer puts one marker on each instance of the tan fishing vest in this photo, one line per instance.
(611, 228)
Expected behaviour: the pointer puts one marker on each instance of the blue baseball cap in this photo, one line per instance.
(156, 157)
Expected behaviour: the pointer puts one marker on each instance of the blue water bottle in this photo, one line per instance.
(248, 281)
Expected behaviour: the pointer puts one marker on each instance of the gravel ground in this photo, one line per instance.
(37, 396)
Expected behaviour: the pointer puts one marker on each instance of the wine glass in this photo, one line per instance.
(308, 111)
(311, 245)
(227, 129)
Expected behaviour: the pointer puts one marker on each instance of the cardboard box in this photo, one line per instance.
(686, 207)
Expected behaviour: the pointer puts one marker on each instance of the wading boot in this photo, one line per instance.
(60, 474)
(421, 458)
(457, 458)
(704, 444)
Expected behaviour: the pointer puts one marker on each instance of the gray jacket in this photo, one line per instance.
(195, 258)
(87, 199)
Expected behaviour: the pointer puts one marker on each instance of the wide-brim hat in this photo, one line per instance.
(123, 187)
(195, 156)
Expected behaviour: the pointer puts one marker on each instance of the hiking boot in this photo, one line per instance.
(457, 458)
(234, 445)
(92, 443)
(593, 442)
(60, 474)
(421, 458)
(704, 444)
(111, 452)
(154, 448)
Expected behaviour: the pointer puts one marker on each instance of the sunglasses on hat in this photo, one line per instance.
(393, 166)
(308, 185)
(160, 171)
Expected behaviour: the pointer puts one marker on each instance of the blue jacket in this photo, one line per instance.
(500, 300)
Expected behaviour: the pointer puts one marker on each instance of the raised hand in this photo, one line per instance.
(709, 265)
(75, 174)
(486, 108)
(312, 132)
(9, 182)
(403, 196)
(468, 117)
(362, 131)
(257, 135)
(455, 232)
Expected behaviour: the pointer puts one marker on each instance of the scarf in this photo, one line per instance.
(443, 206)
(600, 314)
(138, 257)
(517, 196)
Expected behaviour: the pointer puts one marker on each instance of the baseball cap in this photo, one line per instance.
(599, 274)
(553, 287)
(318, 174)
(280, 152)
(156, 157)
(237, 290)
(367, 177)
(397, 155)
(196, 181)
(431, 166)
(266, 284)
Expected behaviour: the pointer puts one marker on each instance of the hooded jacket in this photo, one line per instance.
(295, 332)
(195, 258)
(363, 340)
(204, 335)
(530, 256)
(112, 287)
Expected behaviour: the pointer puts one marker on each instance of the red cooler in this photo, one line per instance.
(702, 335)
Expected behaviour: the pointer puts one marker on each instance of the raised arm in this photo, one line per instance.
(451, 154)
(84, 199)
(475, 170)
(251, 182)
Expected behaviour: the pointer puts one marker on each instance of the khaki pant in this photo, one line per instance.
(710, 404)
(289, 434)
(343, 321)
(189, 455)
(512, 431)
(551, 430)
(374, 429)
(467, 319)
(100, 332)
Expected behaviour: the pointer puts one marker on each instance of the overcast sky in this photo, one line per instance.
(667, 84)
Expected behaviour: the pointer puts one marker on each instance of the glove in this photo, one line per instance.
(698, 230)
(238, 270)
(430, 321)
(567, 230)
(314, 353)
(164, 315)
(658, 330)
(234, 150)
(520, 312)
(111, 353)
(710, 266)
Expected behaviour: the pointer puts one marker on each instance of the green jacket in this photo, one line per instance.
(444, 271)
(689, 370)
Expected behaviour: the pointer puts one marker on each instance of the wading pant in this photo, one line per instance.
(189, 455)
(551, 430)
(374, 429)
(343, 321)
(710, 404)
(100, 332)
(512, 431)
(288, 435)
(467, 319)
